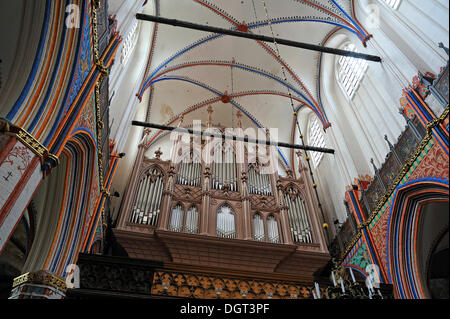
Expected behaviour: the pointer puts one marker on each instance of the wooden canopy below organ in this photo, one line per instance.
(224, 216)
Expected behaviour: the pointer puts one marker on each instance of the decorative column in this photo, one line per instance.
(377, 175)
(23, 163)
(170, 182)
(313, 205)
(206, 186)
(241, 161)
(287, 236)
(38, 285)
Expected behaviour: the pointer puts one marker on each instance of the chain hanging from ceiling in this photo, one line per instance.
(277, 51)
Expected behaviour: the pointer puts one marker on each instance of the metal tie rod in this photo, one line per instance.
(232, 137)
(195, 26)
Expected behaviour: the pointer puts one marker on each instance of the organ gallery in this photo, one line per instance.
(194, 150)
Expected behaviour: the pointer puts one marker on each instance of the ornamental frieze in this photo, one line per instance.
(263, 202)
(202, 286)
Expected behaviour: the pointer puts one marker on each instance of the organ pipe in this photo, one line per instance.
(272, 230)
(258, 228)
(224, 171)
(298, 220)
(148, 200)
(225, 223)
(189, 174)
(258, 183)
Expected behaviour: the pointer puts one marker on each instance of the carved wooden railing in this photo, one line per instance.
(398, 161)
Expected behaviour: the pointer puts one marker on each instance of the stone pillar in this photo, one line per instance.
(22, 159)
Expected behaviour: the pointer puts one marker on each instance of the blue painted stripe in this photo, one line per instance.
(426, 118)
(37, 60)
(50, 86)
(97, 213)
(83, 209)
(62, 110)
(68, 211)
(307, 20)
(65, 131)
(349, 17)
(355, 205)
(370, 245)
(145, 86)
(219, 94)
(393, 263)
(249, 69)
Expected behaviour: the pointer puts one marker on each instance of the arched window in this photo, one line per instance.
(181, 223)
(315, 138)
(351, 71)
(225, 223)
(393, 3)
(258, 228)
(272, 230)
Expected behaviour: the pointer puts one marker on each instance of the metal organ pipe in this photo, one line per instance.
(142, 203)
(190, 173)
(158, 201)
(133, 216)
(291, 218)
(147, 201)
(272, 229)
(303, 221)
(305, 216)
(299, 219)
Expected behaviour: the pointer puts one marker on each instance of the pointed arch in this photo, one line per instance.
(403, 230)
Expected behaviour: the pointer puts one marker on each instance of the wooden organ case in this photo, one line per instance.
(223, 218)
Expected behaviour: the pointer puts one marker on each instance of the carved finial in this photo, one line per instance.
(442, 46)
(239, 117)
(373, 164)
(289, 173)
(210, 111)
(158, 153)
(181, 120)
(389, 143)
(147, 131)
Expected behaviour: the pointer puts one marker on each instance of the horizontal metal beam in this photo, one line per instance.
(233, 137)
(207, 28)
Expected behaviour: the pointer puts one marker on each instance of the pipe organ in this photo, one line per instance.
(146, 207)
(224, 170)
(272, 230)
(220, 212)
(222, 199)
(258, 183)
(191, 224)
(189, 174)
(226, 223)
(176, 220)
(181, 222)
(298, 219)
(258, 228)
